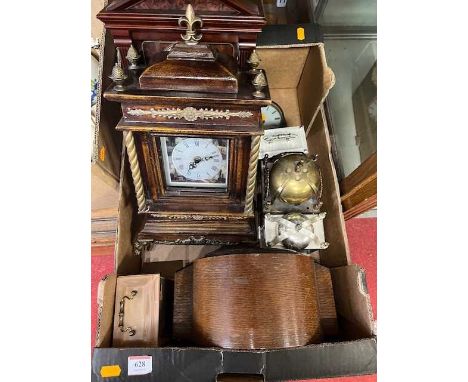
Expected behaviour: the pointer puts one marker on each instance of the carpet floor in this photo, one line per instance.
(362, 236)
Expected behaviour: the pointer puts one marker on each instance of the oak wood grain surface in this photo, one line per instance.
(252, 301)
(326, 298)
(183, 299)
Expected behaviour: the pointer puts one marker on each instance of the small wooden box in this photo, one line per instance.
(138, 316)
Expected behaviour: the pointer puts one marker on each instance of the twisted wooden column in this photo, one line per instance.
(135, 169)
(252, 174)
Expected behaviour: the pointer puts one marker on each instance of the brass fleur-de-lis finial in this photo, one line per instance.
(190, 37)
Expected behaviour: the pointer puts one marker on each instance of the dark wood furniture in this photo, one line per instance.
(359, 189)
(151, 25)
(192, 127)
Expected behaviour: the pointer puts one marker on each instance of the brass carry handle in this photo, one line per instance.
(131, 332)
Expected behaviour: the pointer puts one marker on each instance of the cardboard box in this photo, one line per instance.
(299, 81)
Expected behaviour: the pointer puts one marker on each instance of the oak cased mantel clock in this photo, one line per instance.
(192, 127)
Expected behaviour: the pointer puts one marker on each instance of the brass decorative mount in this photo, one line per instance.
(259, 82)
(118, 75)
(133, 57)
(131, 332)
(254, 62)
(140, 246)
(193, 240)
(190, 20)
(190, 113)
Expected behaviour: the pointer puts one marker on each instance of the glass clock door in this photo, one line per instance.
(195, 162)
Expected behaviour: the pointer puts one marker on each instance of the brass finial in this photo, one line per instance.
(259, 82)
(191, 37)
(133, 57)
(118, 75)
(254, 62)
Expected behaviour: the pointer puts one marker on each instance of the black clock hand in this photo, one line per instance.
(196, 160)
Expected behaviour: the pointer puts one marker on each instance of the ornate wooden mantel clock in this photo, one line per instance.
(192, 127)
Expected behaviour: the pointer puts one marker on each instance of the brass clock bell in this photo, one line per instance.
(291, 191)
(292, 182)
(294, 179)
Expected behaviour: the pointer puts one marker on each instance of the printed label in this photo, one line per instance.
(140, 364)
(283, 139)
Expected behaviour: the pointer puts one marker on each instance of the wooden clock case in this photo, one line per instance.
(168, 215)
(151, 25)
(193, 90)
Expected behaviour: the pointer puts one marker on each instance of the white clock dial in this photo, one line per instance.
(195, 162)
(197, 159)
(272, 116)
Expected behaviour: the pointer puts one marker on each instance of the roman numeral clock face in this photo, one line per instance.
(195, 162)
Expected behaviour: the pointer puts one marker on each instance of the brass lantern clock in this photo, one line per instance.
(192, 128)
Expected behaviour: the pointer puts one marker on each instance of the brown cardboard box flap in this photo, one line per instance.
(318, 141)
(304, 89)
(352, 302)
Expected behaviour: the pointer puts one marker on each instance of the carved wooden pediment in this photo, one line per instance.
(226, 7)
(232, 25)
